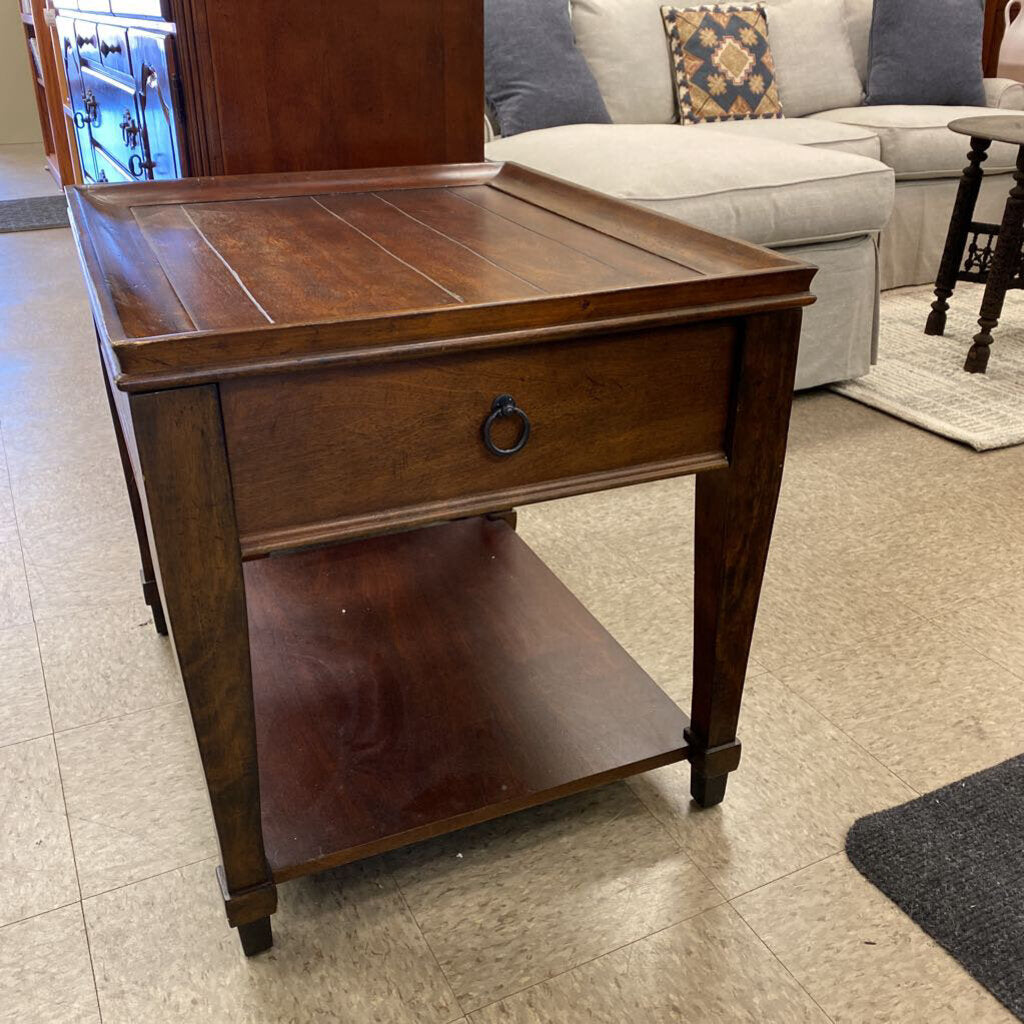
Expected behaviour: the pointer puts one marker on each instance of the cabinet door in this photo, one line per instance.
(153, 60)
(76, 95)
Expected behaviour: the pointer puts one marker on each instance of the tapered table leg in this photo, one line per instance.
(1006, 263)
(180, 442)
(735, 516)
(956, 239)
(150, 591)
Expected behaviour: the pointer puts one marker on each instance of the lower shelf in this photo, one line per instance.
(410, 685)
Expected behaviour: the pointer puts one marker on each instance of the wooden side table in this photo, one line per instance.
(993, 257)
(360, 375)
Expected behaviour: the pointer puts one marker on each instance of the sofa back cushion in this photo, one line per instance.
(626, 47)
(814, 61)
(535, 76)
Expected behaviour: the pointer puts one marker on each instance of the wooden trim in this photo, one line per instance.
(256, 545)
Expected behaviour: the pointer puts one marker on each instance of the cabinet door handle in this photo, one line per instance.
(137, 166)
(91, 107)
(503, 407)
(129, 130)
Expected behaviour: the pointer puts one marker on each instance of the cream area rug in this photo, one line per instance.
(922, 379)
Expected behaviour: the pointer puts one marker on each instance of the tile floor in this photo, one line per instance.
(889, 659)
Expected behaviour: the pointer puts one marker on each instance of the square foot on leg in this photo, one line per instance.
(256, 937)
(707, 792)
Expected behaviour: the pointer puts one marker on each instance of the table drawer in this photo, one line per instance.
(114, 48)
(115, 122)
(87, 41)
(347, 451)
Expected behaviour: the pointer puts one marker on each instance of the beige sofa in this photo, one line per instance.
(862, 192)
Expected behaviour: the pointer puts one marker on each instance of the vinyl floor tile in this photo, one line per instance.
(861, 958)
(106, 663)
(136, 798)
(510, 903)
(346, 949)
(45, 971)
(35, 848)
(24, 712)
(799, 788)
(921, 701)
(709, 970)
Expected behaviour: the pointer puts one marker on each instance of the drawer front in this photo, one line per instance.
(87, 40)
(352, 450)
(115, 122)
(114, 51)
(107, 170)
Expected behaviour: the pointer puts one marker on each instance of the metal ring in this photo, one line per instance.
(503, 407)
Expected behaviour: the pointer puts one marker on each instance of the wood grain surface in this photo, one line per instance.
(414, 684)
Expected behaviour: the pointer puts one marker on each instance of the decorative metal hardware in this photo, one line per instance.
(106, 49)
(138, 167)
(103, 178)
(129, 130)
(80, 120)
(85, 41)
(503, 407)
(92, 107)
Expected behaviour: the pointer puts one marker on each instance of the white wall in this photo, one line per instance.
(19, 116)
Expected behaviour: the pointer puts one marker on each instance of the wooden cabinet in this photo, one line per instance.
(161, 89)
(121, 90)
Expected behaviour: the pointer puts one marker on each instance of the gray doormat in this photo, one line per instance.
(36, 214)
(953, 861)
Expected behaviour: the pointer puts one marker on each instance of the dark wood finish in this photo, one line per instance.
(249, 86)
(1006, 267)
(735, 515)
(304, 359)
(995, 26)
(157, 343)
(150, 588)
(494, 695)
(185, 481)
(369, 84)
(995, 262)
(602, 410)
(956, 239)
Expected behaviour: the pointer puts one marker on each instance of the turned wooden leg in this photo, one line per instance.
(182, 455)
(735, 515)
(150, 591)
(956, 239)
(1006, 263)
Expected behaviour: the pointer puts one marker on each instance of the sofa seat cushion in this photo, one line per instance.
(916, 140)
(804, 131)
(770, 193)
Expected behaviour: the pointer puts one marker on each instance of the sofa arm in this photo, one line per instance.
(1004, 93)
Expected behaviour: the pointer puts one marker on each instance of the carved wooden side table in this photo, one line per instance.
(360, 374)
(993, 255)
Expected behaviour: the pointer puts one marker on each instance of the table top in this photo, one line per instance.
(997, 127)
(201, 279)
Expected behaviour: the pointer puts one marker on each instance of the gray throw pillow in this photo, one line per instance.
(535, 75)
(926, 51)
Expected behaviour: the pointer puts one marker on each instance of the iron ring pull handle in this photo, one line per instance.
(503, 407)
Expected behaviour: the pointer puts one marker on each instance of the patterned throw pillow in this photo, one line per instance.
(723, 64)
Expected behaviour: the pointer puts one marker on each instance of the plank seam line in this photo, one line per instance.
(230, 269)
(394, 256)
